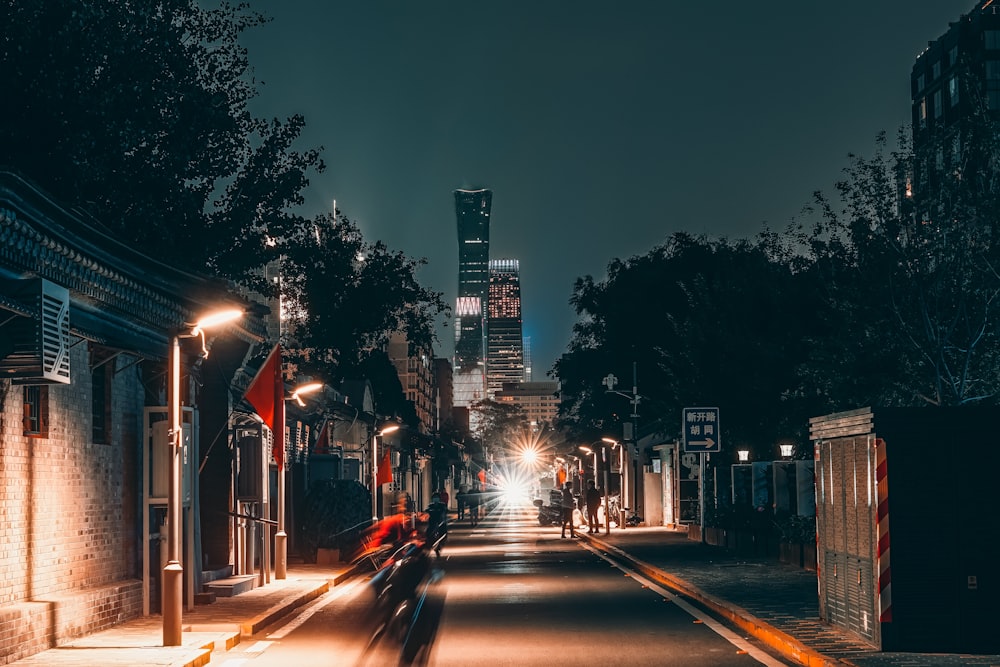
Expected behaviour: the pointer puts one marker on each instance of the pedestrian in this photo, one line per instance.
(472, 500)
(568, 503)
(444, 496)
(437, 523)
(460, 497)
(593, 501)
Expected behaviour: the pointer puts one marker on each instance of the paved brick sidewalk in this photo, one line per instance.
(774, 601)
(215, 627)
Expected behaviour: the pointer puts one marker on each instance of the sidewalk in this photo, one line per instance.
(218, 626)
(775, 602)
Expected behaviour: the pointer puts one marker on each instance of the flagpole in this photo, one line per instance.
(280, 537)
(374, 477)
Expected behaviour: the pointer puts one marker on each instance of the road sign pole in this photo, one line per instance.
(701, 494)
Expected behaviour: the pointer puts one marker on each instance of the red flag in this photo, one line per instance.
(266, 394)
(384, 473)
(323, 439)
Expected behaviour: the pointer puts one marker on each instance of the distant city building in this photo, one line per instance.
(472, 209)
(539, 401)
(952, 79)
(504, 342)
(443, 380)
(527, 359)
(415, 368)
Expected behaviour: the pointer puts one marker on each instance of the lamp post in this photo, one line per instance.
(375, 436)
(610, 381)
(588, 450)
(173, 572)
(280, 536)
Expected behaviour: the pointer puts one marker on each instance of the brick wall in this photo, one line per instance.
(69, 548)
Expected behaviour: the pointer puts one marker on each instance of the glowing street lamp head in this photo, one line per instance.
(305, 389)
(529, 455)
(610, 441)
(389, 429)
(216, 318)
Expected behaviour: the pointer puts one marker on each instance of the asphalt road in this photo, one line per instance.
(510, 592)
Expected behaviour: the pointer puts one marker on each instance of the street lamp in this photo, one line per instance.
(375, 436)
(786, 450)
(588, 450)
(173, 572)
(610, 382)
(744, 455)
(280, 536)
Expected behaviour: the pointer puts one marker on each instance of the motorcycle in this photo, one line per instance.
(404, 613)
(548, 514)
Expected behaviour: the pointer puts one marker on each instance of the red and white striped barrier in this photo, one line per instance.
(882, 499)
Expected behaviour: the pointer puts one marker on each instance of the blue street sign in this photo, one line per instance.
(701, 430)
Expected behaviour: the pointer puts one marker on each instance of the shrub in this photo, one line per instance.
(336, 511)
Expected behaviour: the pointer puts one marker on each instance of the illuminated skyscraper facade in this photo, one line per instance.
(472, 209)
(504, 340)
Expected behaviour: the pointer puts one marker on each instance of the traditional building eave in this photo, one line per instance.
(118, 296)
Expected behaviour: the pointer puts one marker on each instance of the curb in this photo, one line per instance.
(282, 608)
(773, 637)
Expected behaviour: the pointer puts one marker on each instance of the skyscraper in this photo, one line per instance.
(504, 341)
(472, 209)
(955, 77)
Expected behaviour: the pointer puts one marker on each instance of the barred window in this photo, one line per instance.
(100, 406)
(36, 409)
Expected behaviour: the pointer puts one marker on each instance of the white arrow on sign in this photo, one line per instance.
(707, 443)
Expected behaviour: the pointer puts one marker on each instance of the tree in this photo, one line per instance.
(137, 114)
(497, 427)
(346, 297)
(724, 326)
(916, 266)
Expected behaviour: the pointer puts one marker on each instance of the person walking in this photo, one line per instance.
(593, 501)
(568, 504)
(472, 503)
(460, 497)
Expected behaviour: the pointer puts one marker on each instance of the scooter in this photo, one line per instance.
(548, 514)
(403, 623)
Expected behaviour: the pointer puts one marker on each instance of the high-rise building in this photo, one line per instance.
(415, 369)
(472, 209)
(539, 401)
(504, 341)
(955, 77)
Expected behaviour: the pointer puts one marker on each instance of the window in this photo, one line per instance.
(100, 406)
(936, 69)
(953, 90)
(953, 56)
(36, 411)
(937, 104)
(920, 83)
(922, 113)
(992, 38)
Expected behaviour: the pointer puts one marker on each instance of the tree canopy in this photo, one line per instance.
(137, 114)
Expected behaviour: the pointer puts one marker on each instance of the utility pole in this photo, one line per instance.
(610, 381)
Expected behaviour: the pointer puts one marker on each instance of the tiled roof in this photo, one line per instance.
(118, 296)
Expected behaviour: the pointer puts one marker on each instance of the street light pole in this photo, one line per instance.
(173, 572)
(375, 436)
(610, 381)
(280, 536)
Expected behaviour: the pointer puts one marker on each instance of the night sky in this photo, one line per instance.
(601, 127)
